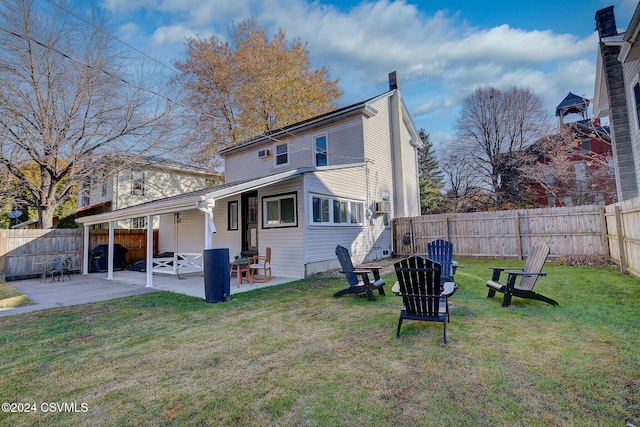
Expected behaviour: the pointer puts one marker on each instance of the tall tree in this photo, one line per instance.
(494, 127)
(67, 95)
(430, 176)
(249, 85)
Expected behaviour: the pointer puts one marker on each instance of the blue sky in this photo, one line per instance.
(442, 50)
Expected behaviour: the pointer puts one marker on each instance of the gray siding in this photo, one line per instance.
(632, 77)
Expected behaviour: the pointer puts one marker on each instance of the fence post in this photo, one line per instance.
(620, 234)
(3, 257)
(605, 234)
(518, 237)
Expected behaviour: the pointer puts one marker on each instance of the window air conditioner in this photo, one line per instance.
(383, 206)
(263, 154)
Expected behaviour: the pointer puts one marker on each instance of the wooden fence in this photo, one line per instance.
(623, 232)
(612, 231)
(23, 253)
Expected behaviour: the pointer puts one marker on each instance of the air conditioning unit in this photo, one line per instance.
(383, 206)
(263, 154)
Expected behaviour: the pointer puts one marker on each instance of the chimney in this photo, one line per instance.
(606, 22)
(393, 81)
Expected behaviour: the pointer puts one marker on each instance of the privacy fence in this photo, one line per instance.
(612, 231)
(25, 253)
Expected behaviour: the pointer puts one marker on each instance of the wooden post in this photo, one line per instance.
(446, 228)
(605, 234)
(620, 235)
(518, 237)
(3, 257)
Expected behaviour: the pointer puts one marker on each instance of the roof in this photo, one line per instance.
(572, 103)
(192, 200)
(362, 107)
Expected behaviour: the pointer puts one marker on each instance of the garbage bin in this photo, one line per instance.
(217, 283)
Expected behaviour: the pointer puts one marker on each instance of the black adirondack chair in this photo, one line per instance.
(423, 296)
(528, 277)
(441, 252)
(358, 278)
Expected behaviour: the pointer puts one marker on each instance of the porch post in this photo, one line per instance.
(85, 250)
(110, 257)
(209, 225)
(149, 251)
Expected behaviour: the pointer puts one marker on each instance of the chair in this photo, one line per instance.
(528, 276)
(260, 264)
(422, 294)
(59, 268)
(441, 252)
(357, 286)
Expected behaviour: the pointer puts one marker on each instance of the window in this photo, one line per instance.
(320, 150)
(137, 182)
(232, 221)
(327, 210)
(636, 92)
(140, 222)
(282, 154)
(581, 171)
(279, 211)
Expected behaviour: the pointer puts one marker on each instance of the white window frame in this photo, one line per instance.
(276, 155)
(316, 151)
(331, 202)
(137, 182)
(277, 222)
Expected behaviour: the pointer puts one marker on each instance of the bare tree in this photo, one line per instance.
(68, 94)
(494, 128)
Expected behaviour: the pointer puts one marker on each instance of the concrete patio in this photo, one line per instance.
(82, 289)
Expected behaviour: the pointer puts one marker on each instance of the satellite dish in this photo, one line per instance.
(14, 214)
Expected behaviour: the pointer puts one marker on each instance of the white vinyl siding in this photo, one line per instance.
(186, 236)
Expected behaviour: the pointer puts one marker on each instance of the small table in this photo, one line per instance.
(240, 267)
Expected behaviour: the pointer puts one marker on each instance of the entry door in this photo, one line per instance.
(250, 223)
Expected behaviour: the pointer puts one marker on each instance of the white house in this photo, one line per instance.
(335, 179)
(140, 181)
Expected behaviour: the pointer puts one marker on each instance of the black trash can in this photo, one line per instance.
(217, 283)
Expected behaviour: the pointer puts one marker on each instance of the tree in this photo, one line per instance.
(430, 176)
(68, 95)
(494, 128)
(249, 86)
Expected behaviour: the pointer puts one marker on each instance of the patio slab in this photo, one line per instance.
(83, 289)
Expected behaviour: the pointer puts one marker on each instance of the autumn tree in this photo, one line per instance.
(68, 94)
(494, 128)
(429, 175)
(248, 86)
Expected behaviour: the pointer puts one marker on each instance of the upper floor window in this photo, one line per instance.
(320, 150)
(282, 154)
(137, 182)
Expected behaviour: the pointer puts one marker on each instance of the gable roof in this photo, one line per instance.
(363, 107)
(572, 103)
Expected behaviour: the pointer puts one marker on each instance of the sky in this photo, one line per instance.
(442, 50)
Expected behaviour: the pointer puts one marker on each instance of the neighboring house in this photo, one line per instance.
(335, 179)
(587, 175)
(141, 181)
(617, 95)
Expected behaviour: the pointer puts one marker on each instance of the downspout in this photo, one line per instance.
(209, 225)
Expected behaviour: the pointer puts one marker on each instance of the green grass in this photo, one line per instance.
(292, 355)
(11, 297)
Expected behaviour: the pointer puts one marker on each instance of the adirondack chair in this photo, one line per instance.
(357, 286)
(441, 252)
(528, 276)
(422, 294)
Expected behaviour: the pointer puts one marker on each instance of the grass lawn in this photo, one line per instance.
(292, 355)
(11, 298)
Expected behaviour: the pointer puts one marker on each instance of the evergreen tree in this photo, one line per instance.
(430, 176)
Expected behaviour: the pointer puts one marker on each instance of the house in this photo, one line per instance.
(576, 161)
(335, 179)
(617, 96)
(140, 181)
